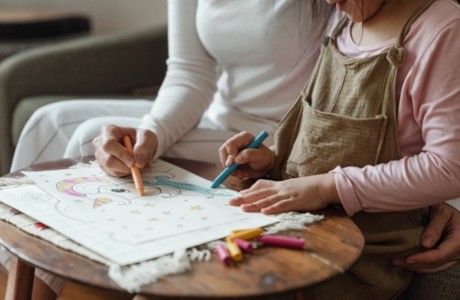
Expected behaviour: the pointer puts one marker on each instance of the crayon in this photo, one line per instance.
(234, 250)
(246, 234)
(282, 241)
(223, 254)
(134, 171)
(244, 245)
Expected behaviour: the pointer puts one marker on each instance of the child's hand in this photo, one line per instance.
(255, 163)
(296, 194)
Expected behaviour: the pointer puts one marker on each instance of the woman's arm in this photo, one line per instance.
(190, 80)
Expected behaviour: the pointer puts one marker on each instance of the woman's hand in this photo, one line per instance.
(441, 238)
(254, 163)
(114, 158)
(296, 194)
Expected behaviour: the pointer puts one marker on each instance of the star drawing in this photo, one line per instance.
(196, 207)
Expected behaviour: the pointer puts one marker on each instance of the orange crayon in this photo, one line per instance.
(134, 171)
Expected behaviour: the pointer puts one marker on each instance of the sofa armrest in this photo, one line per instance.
(109, 64)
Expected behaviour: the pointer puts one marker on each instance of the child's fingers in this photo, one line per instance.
(254, 196)
(227, 153)
(263, 203)
(223, 154)
(279, 207)
(260, 184)
(239, 174)
(252, 156)
(233, 146)
(229, 160)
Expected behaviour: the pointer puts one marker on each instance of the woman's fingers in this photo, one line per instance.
(111, 154)
(111, 165)
(145, 147)
(439, 218)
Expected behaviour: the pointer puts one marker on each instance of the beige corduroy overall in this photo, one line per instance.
(347, 116)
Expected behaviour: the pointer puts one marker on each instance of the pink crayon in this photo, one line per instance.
(244, 245)
(282, 241)
(223, 254)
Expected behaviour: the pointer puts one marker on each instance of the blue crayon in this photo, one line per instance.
(230, 169)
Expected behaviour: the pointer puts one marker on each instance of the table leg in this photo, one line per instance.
(20, 280)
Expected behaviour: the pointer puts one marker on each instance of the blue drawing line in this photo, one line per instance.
(165, 181)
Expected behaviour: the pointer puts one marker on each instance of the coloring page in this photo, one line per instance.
(175, 201)
(40, 205)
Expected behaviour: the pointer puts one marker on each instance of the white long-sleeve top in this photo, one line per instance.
(243, 62)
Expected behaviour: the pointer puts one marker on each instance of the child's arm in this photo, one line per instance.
(428, 129)
(254, 163)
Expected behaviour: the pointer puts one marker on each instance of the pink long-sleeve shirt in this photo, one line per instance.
(428, 89)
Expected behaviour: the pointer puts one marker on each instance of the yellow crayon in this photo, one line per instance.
(237, 231)
(234, 250)
(246, 234)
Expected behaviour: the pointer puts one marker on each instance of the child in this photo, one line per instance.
(376, 130)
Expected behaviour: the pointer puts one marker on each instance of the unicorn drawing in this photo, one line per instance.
(105, 190)
(101, 190)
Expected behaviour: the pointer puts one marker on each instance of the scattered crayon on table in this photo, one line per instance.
(282, 241)
(247, 234)
(244, 245)
(223, 254)
(238, 242)
(234, 250)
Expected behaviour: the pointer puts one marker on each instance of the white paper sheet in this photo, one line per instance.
(106, 215)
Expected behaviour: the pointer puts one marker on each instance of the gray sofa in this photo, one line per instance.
(105, 66)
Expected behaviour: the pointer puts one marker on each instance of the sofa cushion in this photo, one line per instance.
(27, 106)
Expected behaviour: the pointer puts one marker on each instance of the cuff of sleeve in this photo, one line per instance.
(346, 192)
(455, 203)
(147, 123)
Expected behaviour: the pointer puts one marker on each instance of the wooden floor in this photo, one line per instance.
(72, 291)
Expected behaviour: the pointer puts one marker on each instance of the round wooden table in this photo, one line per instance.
(332, 246)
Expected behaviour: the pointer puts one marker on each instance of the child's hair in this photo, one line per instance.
(321, 13)
(313, 16)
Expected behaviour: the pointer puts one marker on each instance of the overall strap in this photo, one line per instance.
(342, 23)
(397, 54)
